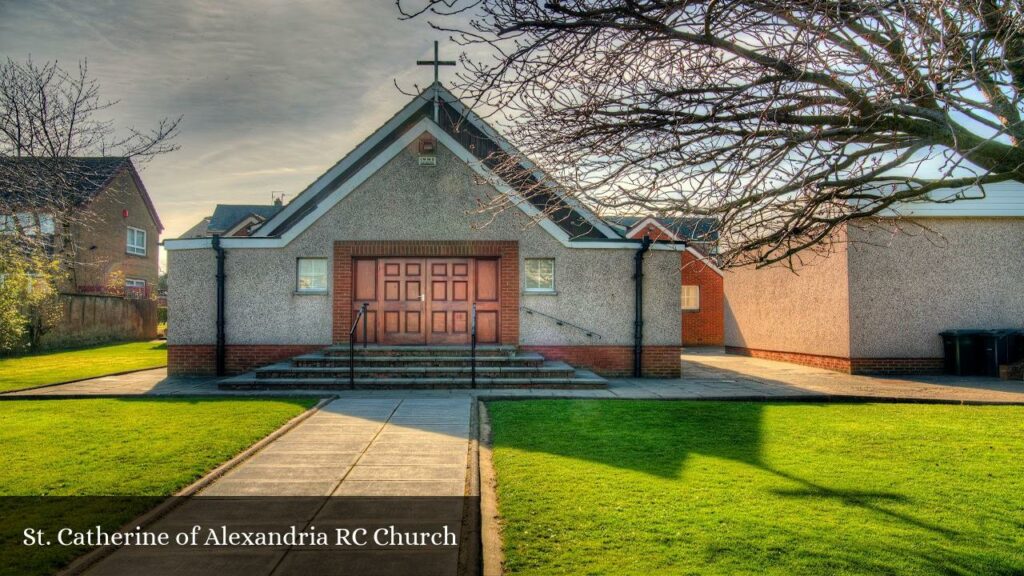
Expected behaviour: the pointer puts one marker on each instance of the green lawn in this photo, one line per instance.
(66, 365)
(647, 487)
(139, 447)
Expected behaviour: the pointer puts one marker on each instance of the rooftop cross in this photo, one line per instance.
(436, 63)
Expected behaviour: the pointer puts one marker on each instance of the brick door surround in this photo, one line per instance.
(346, 250)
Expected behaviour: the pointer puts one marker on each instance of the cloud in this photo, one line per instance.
(273, 92)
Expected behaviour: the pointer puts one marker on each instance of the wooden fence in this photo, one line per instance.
(94, 319)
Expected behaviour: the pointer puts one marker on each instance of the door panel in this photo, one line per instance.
(364, 289)
(486, 281)
(449, 296)
(401, 305)
(418, 301)
(486, 326)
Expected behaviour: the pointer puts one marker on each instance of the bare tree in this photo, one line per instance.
(50, 118)
(784, 119)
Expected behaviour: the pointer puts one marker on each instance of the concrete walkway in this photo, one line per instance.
(411, 447)
(707, 373)
(416, 449)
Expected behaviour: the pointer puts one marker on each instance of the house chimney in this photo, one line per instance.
(278, 202)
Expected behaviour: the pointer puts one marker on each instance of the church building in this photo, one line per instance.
(390, 242)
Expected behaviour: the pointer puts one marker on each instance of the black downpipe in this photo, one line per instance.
(219, 250)
(638, 324)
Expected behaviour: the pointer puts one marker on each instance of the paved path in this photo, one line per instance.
(411, 448)
(363, 447)
(707, 373)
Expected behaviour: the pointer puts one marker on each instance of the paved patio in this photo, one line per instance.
(707, 373)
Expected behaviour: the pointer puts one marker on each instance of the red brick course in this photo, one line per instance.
(506, 251)
(705, 326)
(888, 366)
(658, 361)
(200, 359)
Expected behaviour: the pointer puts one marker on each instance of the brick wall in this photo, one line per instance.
(658, 361)
(653, 232)
(506, 251)
(102, 240)
(200, 359)
(703, 327)
(882, 366)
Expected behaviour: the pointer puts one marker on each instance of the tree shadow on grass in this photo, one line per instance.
(657, 438)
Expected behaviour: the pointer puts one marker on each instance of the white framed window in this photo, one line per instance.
(689, 296)
(540, 274)
(134, 288)
(311, 275)
(136, 241)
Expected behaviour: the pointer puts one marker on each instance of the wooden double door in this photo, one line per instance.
(427, 300)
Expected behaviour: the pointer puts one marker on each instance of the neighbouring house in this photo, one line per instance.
(395, 225)
(879, 301)
(698, 232)
(701, 292)
(113, 253)
(234, 220)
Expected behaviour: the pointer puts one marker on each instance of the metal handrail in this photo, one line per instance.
(360, 315)
(472, 347)
(560, 322)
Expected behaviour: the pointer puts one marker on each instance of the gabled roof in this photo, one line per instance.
(687, 228)
(83, 177)
(227, 216)
(199, 230)
(471, 133)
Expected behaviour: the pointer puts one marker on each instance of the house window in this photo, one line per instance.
(690, 297)
(136, 241)
(540, 274)
(311, 275)
(31, 224)
(134, 288)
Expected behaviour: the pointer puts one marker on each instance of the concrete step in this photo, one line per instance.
(387, 371)
(423, 350)
(579, 379)
(324, 360)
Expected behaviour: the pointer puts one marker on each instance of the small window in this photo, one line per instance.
(540, 274)
(136, 241)
(690, 297)
(312, 275)
(134, 288)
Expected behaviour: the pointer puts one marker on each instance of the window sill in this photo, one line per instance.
(540, 293)
(311, 293)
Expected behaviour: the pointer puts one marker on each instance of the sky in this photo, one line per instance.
(272, 92)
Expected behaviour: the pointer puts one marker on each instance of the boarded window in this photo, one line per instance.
(690, 297)
(540, 274)
(312, 275)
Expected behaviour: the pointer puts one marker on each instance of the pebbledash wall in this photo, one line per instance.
(878, 304)
(407, 203)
